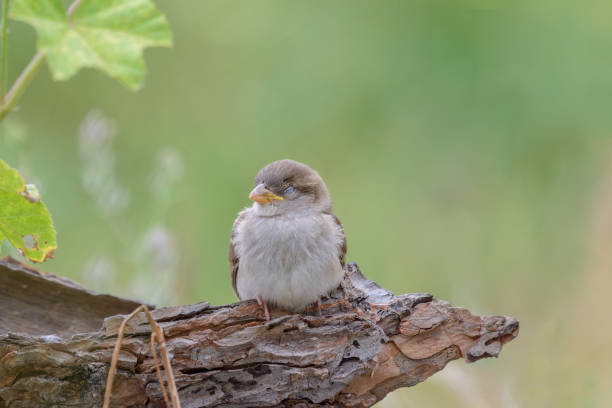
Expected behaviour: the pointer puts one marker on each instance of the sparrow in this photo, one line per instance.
(288, 249)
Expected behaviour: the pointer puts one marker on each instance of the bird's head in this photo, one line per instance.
(289, 187)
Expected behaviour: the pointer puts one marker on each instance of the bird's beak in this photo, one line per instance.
(262, 195)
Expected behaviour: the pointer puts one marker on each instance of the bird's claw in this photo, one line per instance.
(264, 305)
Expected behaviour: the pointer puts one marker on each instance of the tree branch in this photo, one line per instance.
(367, 343)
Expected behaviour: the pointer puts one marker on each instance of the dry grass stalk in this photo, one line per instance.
(157, 336)
(157, 369)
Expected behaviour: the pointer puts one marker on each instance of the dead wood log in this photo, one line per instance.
(56, 341)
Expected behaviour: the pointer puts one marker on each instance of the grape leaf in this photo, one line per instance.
(106, 34)
(24, 219)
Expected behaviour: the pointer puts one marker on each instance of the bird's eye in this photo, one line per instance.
(289, 190)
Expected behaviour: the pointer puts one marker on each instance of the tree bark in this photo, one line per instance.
(56, 342)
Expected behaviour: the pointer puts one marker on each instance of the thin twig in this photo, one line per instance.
(4, 28)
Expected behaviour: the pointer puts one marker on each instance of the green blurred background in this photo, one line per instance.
(466, 145)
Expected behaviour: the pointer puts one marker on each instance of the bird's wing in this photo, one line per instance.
(232, 256)
(342, 247)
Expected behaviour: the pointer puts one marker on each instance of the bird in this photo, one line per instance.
(288, 249)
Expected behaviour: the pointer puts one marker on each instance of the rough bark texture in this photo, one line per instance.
(367, 343)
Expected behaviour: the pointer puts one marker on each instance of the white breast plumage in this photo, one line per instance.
(288, 260)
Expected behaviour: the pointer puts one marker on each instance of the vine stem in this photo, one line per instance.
(7, 103)
(4, 28)
(73, 7)
(21, 83)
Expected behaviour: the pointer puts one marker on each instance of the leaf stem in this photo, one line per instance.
(20, 84)
(73, 7)
(4, 29)
(7, 103)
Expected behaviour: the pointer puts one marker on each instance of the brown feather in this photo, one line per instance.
(282, 173)
(233, 259)
(342, 249)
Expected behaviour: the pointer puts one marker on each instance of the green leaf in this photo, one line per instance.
(24, 219)
(106, 34)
